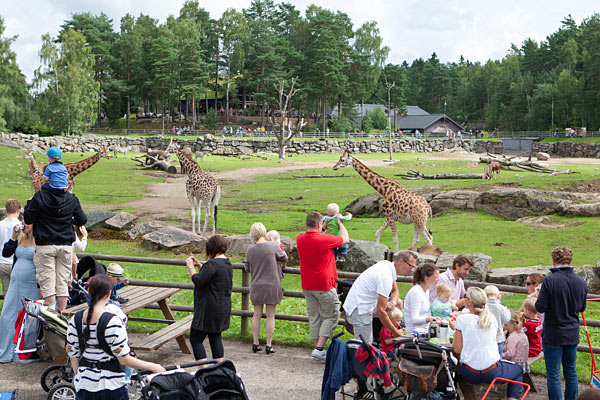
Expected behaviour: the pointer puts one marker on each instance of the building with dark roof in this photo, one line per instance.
(429, 124)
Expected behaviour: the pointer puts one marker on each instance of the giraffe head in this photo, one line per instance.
(103, 152)
(344, 161)
(173, 146)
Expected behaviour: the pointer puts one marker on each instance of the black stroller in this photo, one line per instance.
(425, 370)
(87, 265)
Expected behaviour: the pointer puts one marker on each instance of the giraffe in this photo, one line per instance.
(73, 169)
(398, 205)
(35, 171)
(201, 187)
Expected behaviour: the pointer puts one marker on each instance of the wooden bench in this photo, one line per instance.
(468, 389)
(173, 331)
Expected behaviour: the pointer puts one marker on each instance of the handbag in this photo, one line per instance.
(416, 377)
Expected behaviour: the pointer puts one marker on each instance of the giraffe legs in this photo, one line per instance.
(380, 230)
(206, 216)
(394, 234)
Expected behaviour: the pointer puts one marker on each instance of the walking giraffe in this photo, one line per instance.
(201, 187)
(398, 205)
(35, 171)
(73, 169)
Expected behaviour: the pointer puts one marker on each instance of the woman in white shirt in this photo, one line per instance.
(417, 312)
(475, 340)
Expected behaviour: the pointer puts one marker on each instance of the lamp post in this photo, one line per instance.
(444, 108)
(128, 107)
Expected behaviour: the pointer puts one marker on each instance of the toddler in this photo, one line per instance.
(516, 347)
(55, 176)
(441, 306)
(115, 271)
(333, 213)
(500, 312)
(532, 327)
(273, 236)
(385, 335)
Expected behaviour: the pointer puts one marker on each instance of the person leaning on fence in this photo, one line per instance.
(263, 261)
(98, 360)
(562, 297)
(475, 341)
(212, 298)
(318, 275)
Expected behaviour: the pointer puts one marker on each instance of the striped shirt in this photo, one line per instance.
(91, 379)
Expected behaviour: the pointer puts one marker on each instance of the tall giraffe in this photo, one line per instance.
(201, 187)
(398, 205)
(35, 171)
(74, 168)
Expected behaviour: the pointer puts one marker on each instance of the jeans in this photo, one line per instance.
(501, 349)
(341, 252)
(504, 369)
(554, 356)
(117, 394)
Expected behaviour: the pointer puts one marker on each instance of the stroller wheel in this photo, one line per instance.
(62, 391)
(52, 376)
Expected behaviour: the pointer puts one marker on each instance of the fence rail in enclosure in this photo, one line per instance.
(245, 313)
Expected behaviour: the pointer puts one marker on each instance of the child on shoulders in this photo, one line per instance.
(500, 312)
(385, 335)
(333, 213)
(532, 327)
(55, 176)
(441, 306)
(516, 347)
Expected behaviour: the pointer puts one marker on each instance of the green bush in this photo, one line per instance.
(341, 123)
(211, 119)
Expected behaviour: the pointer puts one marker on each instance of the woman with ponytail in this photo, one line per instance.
(475, 340)
(417, 309)
(98, 373)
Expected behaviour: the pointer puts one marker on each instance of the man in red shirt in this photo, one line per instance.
(318, 275)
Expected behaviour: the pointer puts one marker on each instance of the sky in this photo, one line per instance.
(476, 29)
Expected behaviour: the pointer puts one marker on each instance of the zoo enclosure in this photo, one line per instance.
(245, 313)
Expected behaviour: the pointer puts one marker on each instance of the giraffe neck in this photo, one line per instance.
(34, 167)
(78, 167)
(191, 167)
(375, 180)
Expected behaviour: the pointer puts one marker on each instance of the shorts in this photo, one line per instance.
(53, 269)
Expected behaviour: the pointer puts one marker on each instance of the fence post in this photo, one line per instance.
(245, 303)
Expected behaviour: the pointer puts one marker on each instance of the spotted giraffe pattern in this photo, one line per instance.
(398, 204)
(201, 188)
(35, 172)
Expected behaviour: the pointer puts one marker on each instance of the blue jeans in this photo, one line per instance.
(117, 394)
(554, 356)
(504, 369)
(341, 252)
(501, 349)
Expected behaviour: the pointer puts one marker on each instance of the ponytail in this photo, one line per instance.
(100, 286)
(423, 271)
(478, 300)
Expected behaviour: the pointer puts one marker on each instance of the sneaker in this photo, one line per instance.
(122, 300)
(341, 259)
(319, 354)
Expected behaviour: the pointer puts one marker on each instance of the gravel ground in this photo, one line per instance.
(290, 373)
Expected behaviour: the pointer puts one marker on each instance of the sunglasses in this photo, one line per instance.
(529, 283)
(413, 266)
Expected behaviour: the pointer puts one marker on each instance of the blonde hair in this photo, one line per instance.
(395, 313)
(273, 236)
(529, 305)
(514, 318)
(257, 230)
(333, 207)
(478, 299)
(442, 288)
(491, 290)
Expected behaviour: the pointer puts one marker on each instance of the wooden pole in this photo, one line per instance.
(245, 302)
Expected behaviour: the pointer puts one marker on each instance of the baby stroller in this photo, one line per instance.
(366, 387)
(218, 381)
(425, 370)
(87, 265)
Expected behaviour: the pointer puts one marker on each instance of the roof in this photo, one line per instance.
(415, 110)
(413, 122)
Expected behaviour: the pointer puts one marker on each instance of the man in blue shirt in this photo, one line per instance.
(562, 297)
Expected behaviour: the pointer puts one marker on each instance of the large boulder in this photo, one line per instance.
(170, 237)
(541, 156)
(96, 218)
(145, 227)
(583, 210)
(515, 276)
(480, 268)
(460, 199)
(589, 273)
(121, 221)
(513, 204)
(367, 205)
(238, 244)
(362, 254)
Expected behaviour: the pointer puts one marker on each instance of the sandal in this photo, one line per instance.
(256, 348)
(269, 350)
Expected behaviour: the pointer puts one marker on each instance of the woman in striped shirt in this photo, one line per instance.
(96, 377)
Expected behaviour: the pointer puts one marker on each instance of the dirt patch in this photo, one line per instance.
(546, 222)
(591, 187)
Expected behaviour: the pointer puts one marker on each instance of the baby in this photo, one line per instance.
(385, 335)
(55, 176)
(516, 347)
(501, 313)
(532, 326)
(273, 236)
(115, 271)
(333, 213)
(441, 306)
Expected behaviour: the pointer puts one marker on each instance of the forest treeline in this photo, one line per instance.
(93, 68)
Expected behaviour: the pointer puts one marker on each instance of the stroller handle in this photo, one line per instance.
(419, 341)
(172, 367)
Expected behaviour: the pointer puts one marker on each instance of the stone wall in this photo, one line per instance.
(238, 146)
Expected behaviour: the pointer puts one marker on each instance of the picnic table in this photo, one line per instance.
(143, 296)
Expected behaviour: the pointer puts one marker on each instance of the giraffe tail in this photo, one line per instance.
(431, 221)
(216, 196)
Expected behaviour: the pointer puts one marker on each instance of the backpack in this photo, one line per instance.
(221, 382)
(113, 365)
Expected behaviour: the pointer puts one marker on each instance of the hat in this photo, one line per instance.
(114, 270)
(54, 152)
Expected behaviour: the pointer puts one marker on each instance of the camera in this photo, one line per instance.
(19, 227)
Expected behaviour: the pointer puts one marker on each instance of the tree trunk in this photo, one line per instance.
(227, 99)
(324, 115)
(193, 112)
(206, 103)
(98, 118)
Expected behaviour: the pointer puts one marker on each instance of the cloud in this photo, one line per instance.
(478, 30)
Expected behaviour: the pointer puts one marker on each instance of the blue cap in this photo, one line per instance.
(54, 152)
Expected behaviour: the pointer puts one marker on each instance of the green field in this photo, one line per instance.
(281, 202)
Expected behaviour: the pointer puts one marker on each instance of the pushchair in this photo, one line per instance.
(425, 370)
(87, 265)
(366, 387)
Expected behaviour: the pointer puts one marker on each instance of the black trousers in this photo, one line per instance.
(214, 338)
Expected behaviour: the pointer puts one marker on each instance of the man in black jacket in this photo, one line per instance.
(53, 216)
(562, 297)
